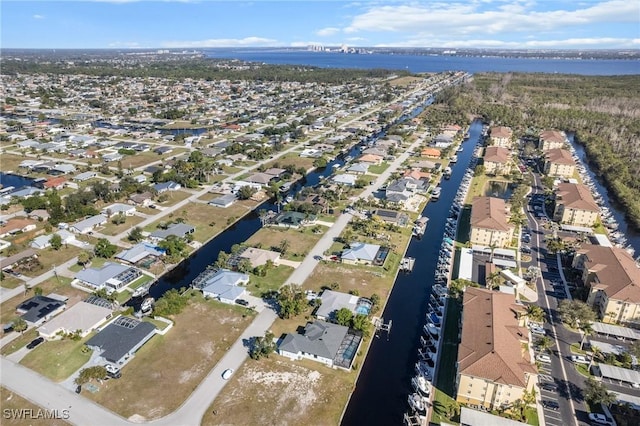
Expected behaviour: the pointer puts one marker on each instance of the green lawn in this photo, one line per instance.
(19, 343)
(440, 402)
(272, 281)
(57, 359)
(10, 282)
(378, 168)
(532, 416)
(140, 282)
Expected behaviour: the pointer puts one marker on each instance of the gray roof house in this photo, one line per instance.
(333, 301)
(224, 201)
(178, 229)
(111, 275)
(138, 252)
(39, 309)
(359, 168)
(88, 224)
(166, 186)
(85, 176)
(345, 179)
(330, 344)
(360, 253)
(118, 341)
(225, 285)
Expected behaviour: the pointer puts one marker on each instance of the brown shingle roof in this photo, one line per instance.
(576, 196)
(497, 154)
(552, 136)
(492, 341)
(560, 156)
(501, 132)
(616, 271)
(489, 213)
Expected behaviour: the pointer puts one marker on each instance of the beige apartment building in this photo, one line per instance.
(559, 163)
(497, 161)
(500, 136)
(552, 139)
(575, 205)
(490, 223)
(495, 366)
(613, 279)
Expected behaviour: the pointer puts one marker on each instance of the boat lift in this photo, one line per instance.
(378, 323)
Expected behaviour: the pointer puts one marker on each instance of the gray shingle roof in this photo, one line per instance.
(38, 307)
(121, 337)
(319, 338)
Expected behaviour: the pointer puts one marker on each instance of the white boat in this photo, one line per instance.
(147, 304)
(453, 159)
(417, 404)
(421, 385)
(447, 173)
(459, 149)
(436, 193)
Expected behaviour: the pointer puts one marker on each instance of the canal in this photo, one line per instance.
(381, 392)
(633, 236)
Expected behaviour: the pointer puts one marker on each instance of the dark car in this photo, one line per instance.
(242, 302)
(35, 342)
(78, 388)
(7, 328)
(550, 387)
(551, 405)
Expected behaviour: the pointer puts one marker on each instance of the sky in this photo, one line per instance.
(197, 24)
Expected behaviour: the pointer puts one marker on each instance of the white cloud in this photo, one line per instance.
(482, 18)
(126, 45)
(222, 42)
(570, 43)
(38, 16)
(329, 31)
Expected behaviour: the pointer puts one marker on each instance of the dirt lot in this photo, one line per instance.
(300, 241)
(168, 368)
(282, 392)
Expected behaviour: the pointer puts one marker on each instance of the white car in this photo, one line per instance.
(543, 358)
(598, 418)
(538, 330)
(579, 359)
(226, 374)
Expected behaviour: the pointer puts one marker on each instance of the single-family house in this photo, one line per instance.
(166, 186)
(139, 252)
(144, 199)
(39, 309)
(110, 276)
(119, 208)
(333, 301)
(262, 179)
(430, 153)
(87, 225)
(83, 318)
(358, 168)
(180, 230)
(85, 176)
(58, 182)
(119, 341)
(360, 253)
(345, 179)
(371, 159)
(224, 201)
(225, 285)
(16, 225)
(258, 257)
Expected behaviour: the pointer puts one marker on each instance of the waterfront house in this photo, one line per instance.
(613, 279)
(139, 252)
(39, 309)
(331, 344)
(293, 219)
(180, 230)
(333, 301)
(489, 222)
(371, 159)
(574, 205)
(58, 183)
(110, 276)
(262, 179)
(224, 201)
(83, 318)
(360, 253)
(500, 136)
(495, 366)
(225, 286)
(358, 169)
(345, 179)
(87, 225)
(552, 139)
(119, 341)
(559, 163)
(258, 257)
(497, 161)
(430, 153)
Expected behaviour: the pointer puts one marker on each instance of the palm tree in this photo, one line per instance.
(493, 280)
(535, 313)
(595, 353)
(587, 330)
(544, 343)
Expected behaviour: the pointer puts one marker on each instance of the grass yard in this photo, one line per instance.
(174, 197)
(10, 162)
(19, 343)
(307, 393)
(292, 158)
(57, 359)
(112, 229)
(10, 282)
(12, 401)
(405, 81)
(367, 280)
(300, 240)
(272, 281)
(167, 369)
(476, 189)
(143, 158)
(377, 169)
(438, 413)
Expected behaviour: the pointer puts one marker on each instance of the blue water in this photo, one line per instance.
(14, 180)
(436, 63)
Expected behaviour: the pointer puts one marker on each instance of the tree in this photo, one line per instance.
(98, 372)
(55, 242)
(244, 266)
(263, 346)
(587, 330)
(535, 313)
(38, 291)
(284, 246)
(361, 323)
(104, 248)
(174, 247)
(596, 393)
(135, 235)
(344, 317)
(246, 192)
(222, 260)
(291, 300)
(575, 312)
(19, 324)
(84, 257)
(457, 286)
(171, 303)
(544, 343)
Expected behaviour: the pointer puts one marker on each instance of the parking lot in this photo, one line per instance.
(549, 394)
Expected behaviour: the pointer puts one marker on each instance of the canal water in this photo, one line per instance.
(7, 180)
(380, 396)
(633, 236)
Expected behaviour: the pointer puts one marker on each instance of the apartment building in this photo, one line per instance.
(497, 161)
(552, 139)
(559, 163)
(575, 205)
(500, 136)
(489, 222)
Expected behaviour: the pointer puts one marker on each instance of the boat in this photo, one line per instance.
(421, 385)
(447, 173)
(436, 193)
(453, 159)
(417, 404)
(285, 186)
(141, 291)
(147, 304)
(420, 226)
(460, 149)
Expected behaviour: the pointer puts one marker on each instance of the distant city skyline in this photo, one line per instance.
(197, 24)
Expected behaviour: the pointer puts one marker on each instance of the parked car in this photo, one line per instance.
(242, 302)
(226, 374)
(35, 342)
(538, 330)
(113, 371)
(579, 359)
(7, 328)
(598, 418)
(552, 405)
(549, 387)
(543, 358)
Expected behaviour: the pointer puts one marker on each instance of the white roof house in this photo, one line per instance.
(360, 252)
(117, 208)
(111, 275)
(345, 179)
(88, 224)
(225, 285)
(139, 252)
(84, 317)
(333, 301)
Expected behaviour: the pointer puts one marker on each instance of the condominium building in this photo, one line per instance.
(559, 163)
(489, 222)
(575, 205)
